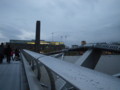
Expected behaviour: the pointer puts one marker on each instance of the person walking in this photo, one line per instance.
(17, 56)
(12, 53)
(1, 52)
(8, 53)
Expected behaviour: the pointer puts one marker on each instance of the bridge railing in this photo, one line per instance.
(110, 47)
(55, 74)
(49, 78)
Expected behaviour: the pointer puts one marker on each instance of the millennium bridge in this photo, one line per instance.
(50, 71)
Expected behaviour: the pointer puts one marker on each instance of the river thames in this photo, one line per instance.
(109, 64)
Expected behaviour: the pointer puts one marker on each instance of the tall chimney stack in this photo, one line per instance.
(37, 40)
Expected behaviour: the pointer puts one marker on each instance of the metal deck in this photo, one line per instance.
(10, 76)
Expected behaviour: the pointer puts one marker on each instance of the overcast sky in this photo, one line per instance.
(70, 21)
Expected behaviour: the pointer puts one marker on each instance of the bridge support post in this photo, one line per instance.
(89, 58)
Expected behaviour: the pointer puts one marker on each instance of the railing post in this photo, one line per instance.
(52, 81)
(38, 69)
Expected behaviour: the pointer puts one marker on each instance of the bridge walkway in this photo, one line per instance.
(10, 75)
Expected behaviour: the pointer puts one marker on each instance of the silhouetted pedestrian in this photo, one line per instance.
(8, 53)
(17, 56)
(12, 53)
(1, 52)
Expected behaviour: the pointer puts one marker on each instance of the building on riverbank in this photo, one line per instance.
(44, 47)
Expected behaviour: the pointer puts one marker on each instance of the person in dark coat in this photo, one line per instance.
(1, 52)
(17, 56)
(8, 51)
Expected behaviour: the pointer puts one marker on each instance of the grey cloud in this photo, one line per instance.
(91, 20)
(10, 32)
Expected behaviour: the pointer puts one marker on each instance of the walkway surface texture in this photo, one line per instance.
(10, 75)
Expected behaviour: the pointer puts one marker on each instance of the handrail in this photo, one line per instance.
(33, 82)
(78, 77)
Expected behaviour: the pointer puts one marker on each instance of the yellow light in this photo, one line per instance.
(30, 42)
